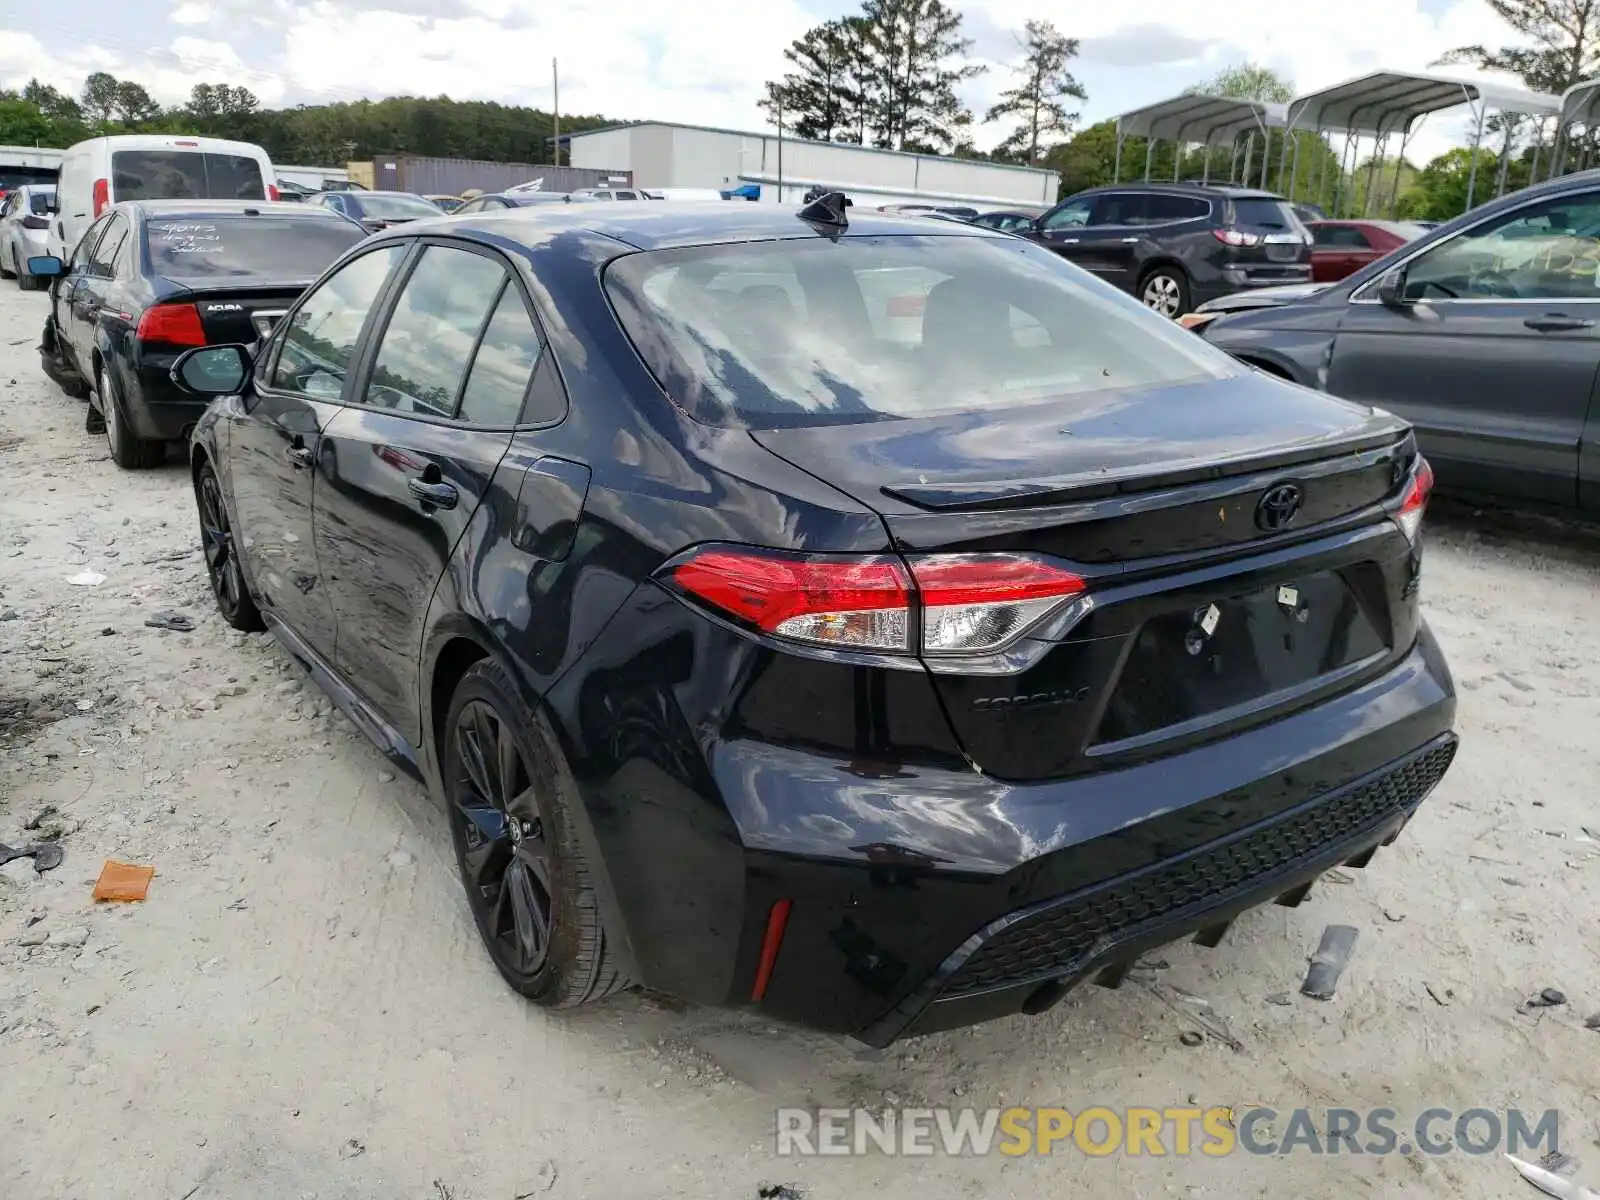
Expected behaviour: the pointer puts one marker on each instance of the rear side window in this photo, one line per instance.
(185, 175)
(506, 356)
(1265, 213)
(1161, 209)
(232, 247)
(39, 202)
(102, 262)
(428, 343)
(320, 342)
(809, 332)
(1121, 208)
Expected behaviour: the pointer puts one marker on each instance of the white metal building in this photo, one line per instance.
(662, 155)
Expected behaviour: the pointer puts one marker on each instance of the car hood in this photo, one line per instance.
(1096, 444)
(1268, 297)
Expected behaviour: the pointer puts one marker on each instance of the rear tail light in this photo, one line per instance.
(946, 604)
(1236, 237)
(1414, 500)
(102, 196)
(32, 222)
(272, 192)
(172, 325)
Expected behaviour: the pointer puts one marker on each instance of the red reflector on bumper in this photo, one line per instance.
(777, 919)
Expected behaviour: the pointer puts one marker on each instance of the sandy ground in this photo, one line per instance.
(301, 1008)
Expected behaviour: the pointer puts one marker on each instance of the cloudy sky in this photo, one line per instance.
(701, 62)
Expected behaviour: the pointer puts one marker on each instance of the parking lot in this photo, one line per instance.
(302, 1009)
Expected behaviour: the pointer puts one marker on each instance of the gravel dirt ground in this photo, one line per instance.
(301, 1008)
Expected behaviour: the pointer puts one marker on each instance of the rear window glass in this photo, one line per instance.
(39, 202)
(185, 175)
(816, 331)
(396, 208)
(1264, 213)
(275, 247)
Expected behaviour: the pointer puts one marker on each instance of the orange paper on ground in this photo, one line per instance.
(122, 881)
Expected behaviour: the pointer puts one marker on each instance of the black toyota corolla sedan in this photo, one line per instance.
(876, 622)
(153, 278)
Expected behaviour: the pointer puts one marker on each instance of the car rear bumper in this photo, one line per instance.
(154, 406)
(923, 898)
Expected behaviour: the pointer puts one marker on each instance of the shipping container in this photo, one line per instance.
(452, 176)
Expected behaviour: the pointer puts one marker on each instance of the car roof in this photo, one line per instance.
(1230, 191)
(226, 208)
(691, 223)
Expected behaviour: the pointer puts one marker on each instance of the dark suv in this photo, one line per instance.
(1176, 245)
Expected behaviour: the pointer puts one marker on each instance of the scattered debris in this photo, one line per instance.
(1281, 999)
(1561, 1164)
(543, 1181)
(75, 935)
(1441, 1001)
(46, 855)
(385, 777)
(49, 810)
(1548, 998)
(108, 632)
(1184, 1004)
(34, 935)
(1329, 962)
(1593, 1022)
(779, 1191)
(1191, 1037)
(10, 614)
(86, 579)
(123, 881)
(1396, 918)
(442, 1192)
(352, 1148)
(174, 621)
(1549, 1182)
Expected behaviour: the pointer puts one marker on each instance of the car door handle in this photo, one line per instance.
(1134, 239)
(433, 495)
(1556, 322)
(299, 457)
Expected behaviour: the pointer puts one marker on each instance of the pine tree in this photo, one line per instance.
(1039, 98)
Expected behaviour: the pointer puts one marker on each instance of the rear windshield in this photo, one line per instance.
(185, 175)
(396, 208)
(1265, 214)
(810, 332)
(268, 247)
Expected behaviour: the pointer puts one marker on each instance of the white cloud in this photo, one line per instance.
(705, 63)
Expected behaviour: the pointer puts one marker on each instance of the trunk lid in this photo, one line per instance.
(236, 313)
(1206, 616)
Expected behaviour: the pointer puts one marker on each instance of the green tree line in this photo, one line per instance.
(324, 134)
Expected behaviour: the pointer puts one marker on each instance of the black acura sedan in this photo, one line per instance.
(1484, 334)
(875, 622)
(153, 278)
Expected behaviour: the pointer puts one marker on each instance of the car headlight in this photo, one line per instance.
(1198, 320)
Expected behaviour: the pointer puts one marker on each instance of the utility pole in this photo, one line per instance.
(780, 146)
(555, 106)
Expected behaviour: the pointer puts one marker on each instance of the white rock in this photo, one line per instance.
(73, 935)
(400, 859)
(33, 935)
(385, 777)
(20, 872)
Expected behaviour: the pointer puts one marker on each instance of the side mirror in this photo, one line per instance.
(1392, 289)
(212, 370)
(46, 265)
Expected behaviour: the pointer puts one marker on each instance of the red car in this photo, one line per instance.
(1339, 248)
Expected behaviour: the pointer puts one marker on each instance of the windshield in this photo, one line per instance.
(860, 329)
(185, 175)
(267, 247)
(396, 208)
(1264, 213)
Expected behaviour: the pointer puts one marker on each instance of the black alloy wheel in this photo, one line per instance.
(509, 796)
(228, 585)
(506, 858)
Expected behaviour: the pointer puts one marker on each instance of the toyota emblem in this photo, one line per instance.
(1279, 507)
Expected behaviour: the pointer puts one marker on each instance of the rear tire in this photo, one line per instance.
(28, 283)
(128, 450)
(228, 585)
(1165, 290)
(508, 792)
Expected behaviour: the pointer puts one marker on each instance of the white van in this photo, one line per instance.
(145, 166)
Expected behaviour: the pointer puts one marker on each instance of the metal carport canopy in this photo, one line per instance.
(1388, 101)
(1581, 102)
(1197, 118)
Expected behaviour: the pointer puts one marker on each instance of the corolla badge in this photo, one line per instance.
(1279, 506)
